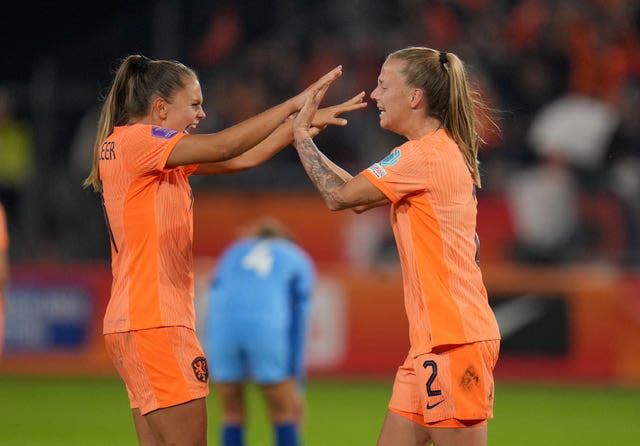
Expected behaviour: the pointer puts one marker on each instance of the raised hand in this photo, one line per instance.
(329, 115)
(324, 81)
(302, 121)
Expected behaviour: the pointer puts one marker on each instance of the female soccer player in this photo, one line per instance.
(143, 158)
(444, 390)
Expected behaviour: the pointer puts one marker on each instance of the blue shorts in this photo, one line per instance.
(239, 351)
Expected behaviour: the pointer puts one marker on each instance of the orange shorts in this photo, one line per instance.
(161, 367)
(451, 388)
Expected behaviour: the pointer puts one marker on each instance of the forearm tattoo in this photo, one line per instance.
(325, 179)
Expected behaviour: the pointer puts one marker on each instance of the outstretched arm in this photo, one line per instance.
(235, 140)
(346, 176)
(338, 189)
(281, 138)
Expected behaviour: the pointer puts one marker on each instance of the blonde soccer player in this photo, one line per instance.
(443, 393)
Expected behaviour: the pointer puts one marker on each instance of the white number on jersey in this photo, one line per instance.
(259, 259)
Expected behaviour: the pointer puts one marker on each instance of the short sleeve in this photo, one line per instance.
(403, 172)
(153, 146)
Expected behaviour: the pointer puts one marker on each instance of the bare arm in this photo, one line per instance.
(366, 207)
(235, 140)
(346, 176)
(281, 138)
(264, 150)
(338, 191)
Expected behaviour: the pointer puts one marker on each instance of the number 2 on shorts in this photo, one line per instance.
(434, 373)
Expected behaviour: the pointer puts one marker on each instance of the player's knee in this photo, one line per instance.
(281, 407)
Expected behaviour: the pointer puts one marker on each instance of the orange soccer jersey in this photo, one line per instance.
(433, 216)
(150, 218)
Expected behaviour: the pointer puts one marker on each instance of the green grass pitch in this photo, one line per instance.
(94, 412)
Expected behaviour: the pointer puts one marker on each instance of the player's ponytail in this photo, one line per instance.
(442, 77)
(136, 83)
(461, 116)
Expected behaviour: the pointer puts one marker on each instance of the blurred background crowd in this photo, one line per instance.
(562, 78)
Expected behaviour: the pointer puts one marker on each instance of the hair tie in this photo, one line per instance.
(141, 63)
(443, 58)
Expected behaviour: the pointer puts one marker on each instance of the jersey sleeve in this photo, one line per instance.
(404, 171)
(153, 147)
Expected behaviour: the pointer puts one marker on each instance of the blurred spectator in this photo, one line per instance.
(83, 231)
(15, 156)
(221, 37)
(544, 206)
(574, 128)
(525, 54)
(569, 134)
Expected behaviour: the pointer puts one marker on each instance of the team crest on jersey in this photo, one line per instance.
(161, 132)
(377, 170)
(200, 368)
(391, 159)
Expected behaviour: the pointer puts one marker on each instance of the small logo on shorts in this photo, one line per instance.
(431, 406)
(200, 369)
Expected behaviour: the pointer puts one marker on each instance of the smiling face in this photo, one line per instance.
(393, 96)
(184, 112)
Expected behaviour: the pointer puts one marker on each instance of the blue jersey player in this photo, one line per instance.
(256, 325)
